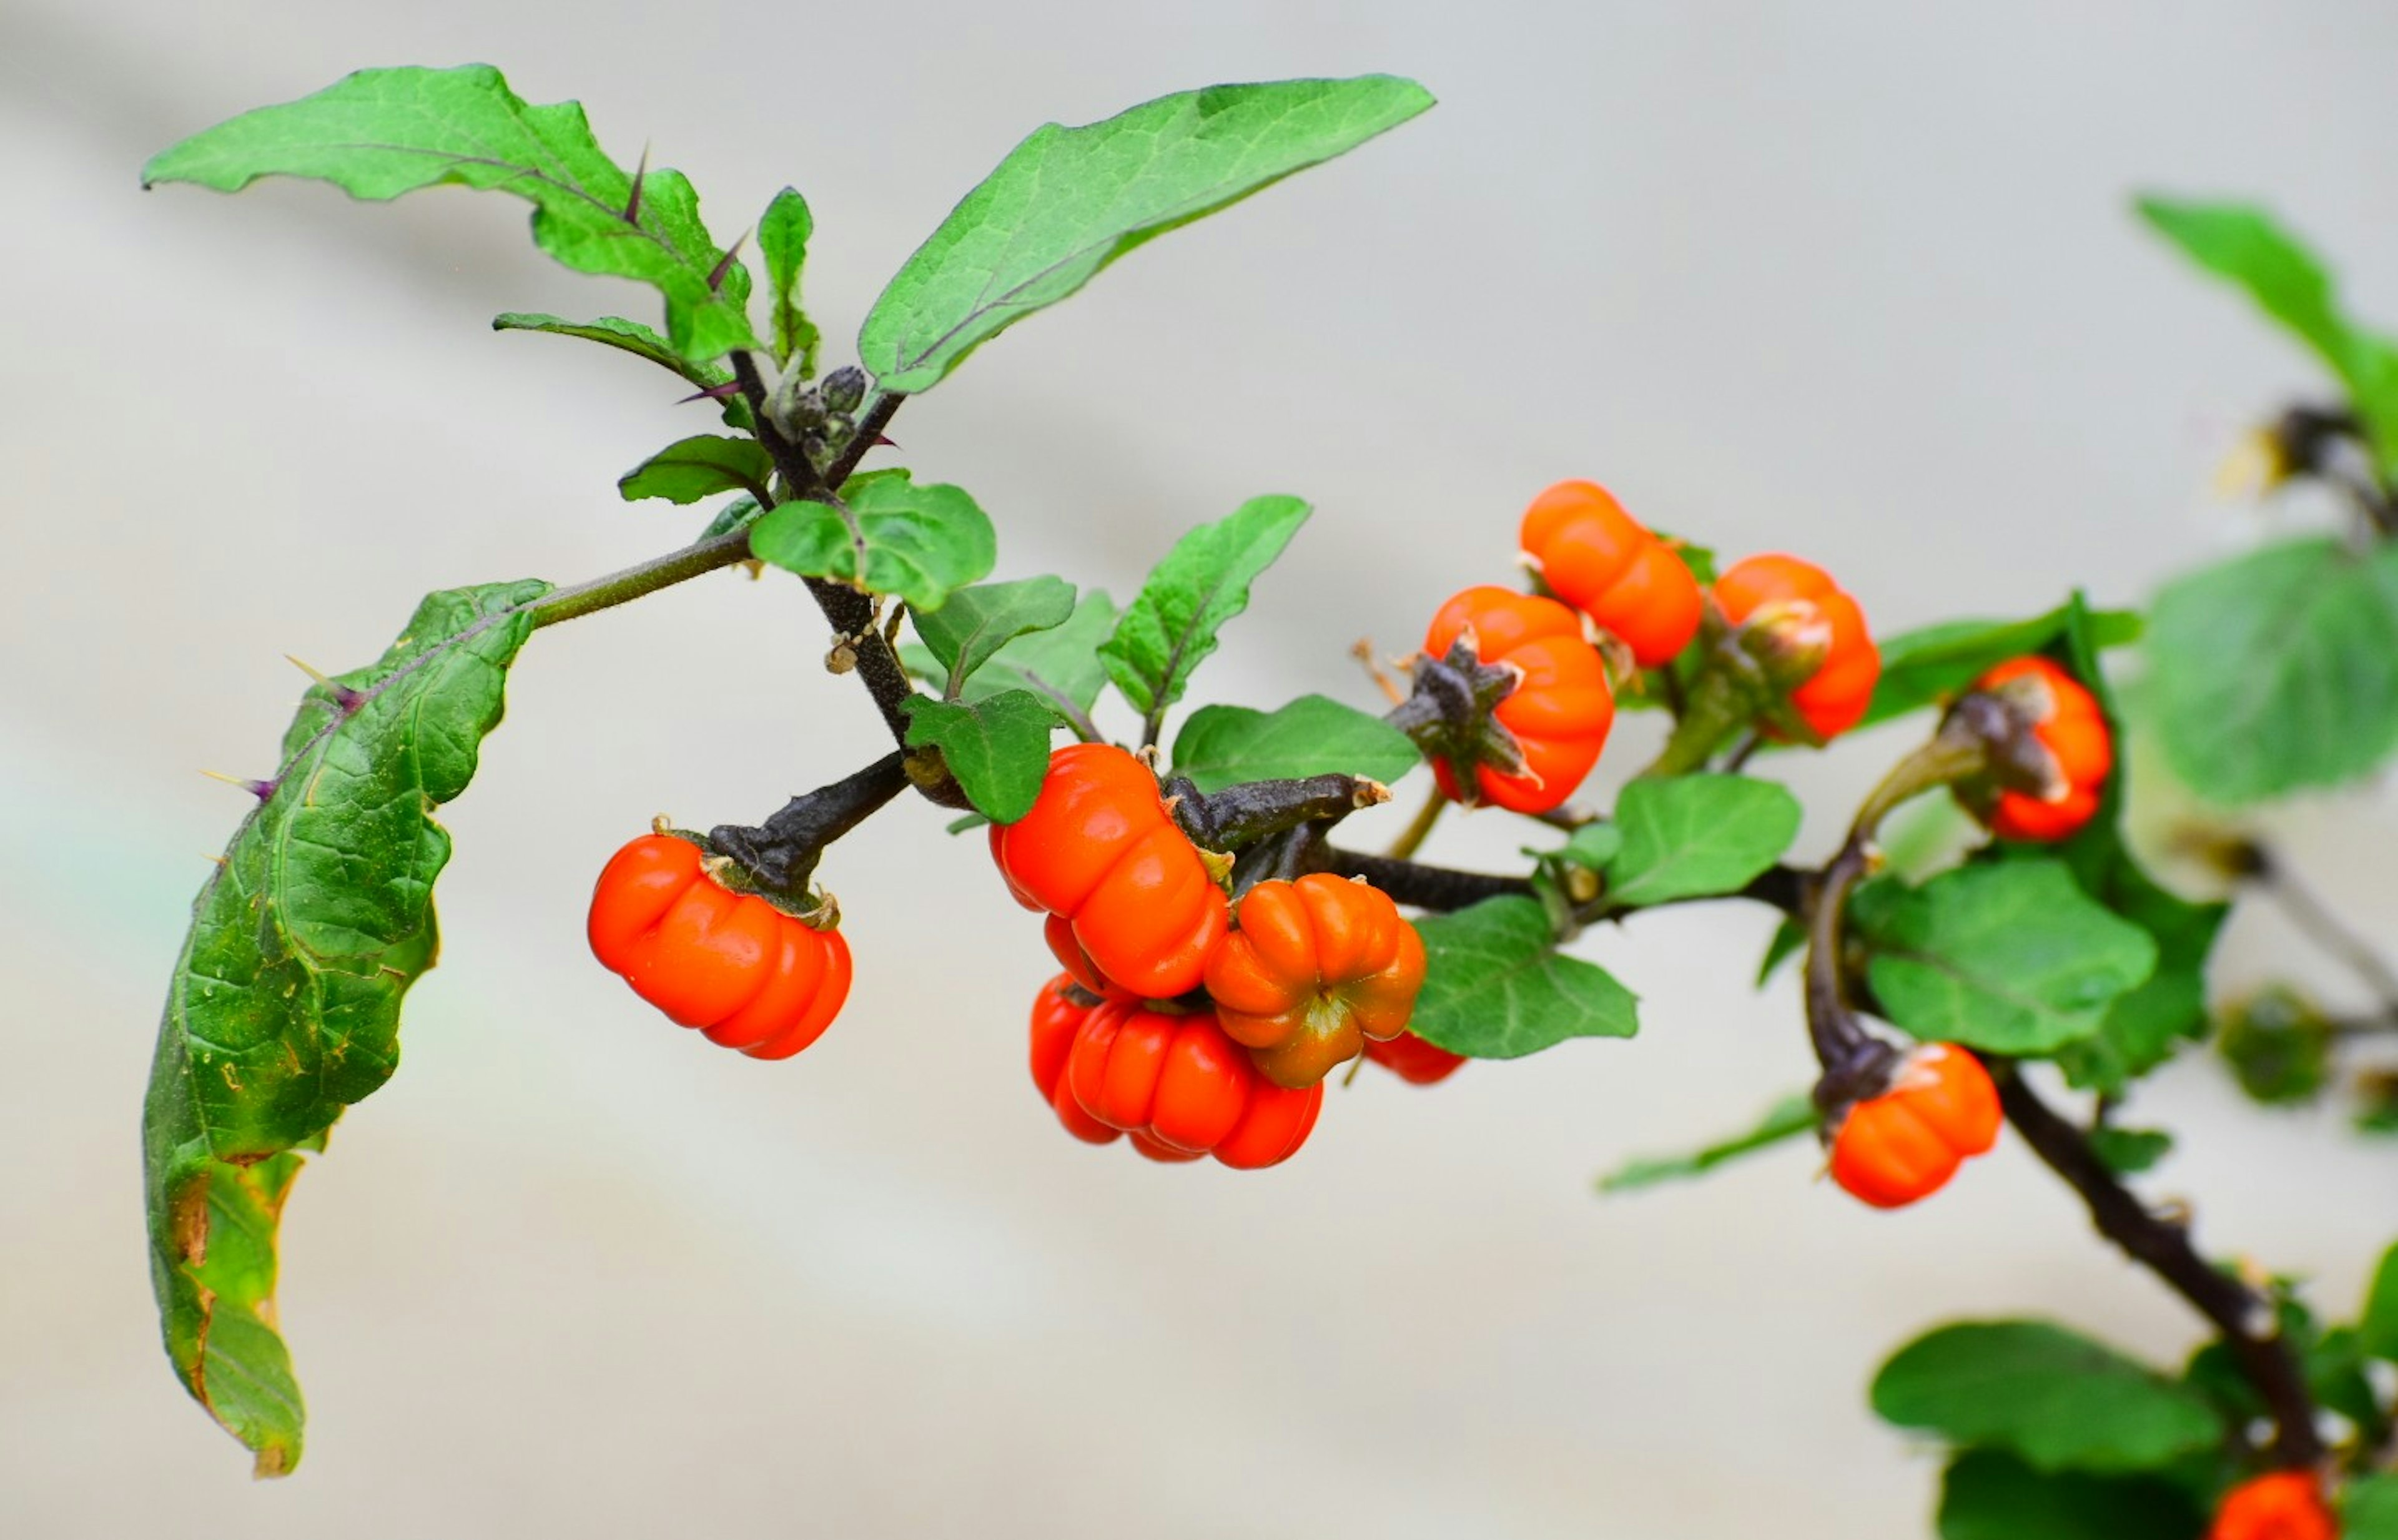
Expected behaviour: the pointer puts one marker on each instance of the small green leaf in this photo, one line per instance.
(1988, 1494)
(284, 1008)
(2277, 671)
(2247, 245)
(1787, 1118)
(379, 133)
(2009, 957)
(1067, 202)
(2128, 1152)
(1922, 667)
(1061, 664)
(1170, 626)
(1495, 986)
(998, 747)
(919, 542)
(700, 466)
(976, 623)
(1789, 939)
(2369, 1508)
(1592, 846)
(1223, 746)
(2376, 1329)
(1693, 836)
(2277, 1045)
(2057, 1399)
(741, 512)
(640, 340)
(783, 242)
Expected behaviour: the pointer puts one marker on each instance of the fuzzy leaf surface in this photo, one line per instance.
(1496, 988)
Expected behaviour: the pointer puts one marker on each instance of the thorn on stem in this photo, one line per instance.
(633, 204)
(262, 790)
(724, 263)
(349, 700)
(713, 393)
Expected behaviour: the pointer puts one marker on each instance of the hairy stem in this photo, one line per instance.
(647, 577)
(2245, 1321)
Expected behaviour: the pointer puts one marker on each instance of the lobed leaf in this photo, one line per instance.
(2277, 671)
(1170, 626)
(1694, 836)
(970, 629)
(1223, 746)
(285, 1004)
(1495, 986)
(2009, 957)
(783, 243)
(1067, 202)
(379, 133)
(998, 747)
(1786, 1119)
(918, 542)
(700, 466)
(2053, 1397)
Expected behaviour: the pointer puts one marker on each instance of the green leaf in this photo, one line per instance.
(1592, 846)
(2128, 1152)
(640, 340)
(998, 747)
(379, 133)
(1787, 1118)
(2376, 1329)
(2055, 1398)
(2369, 1508)
(919, 542)
(1495, 987)
(1223, 746)
(741, 512)
(1694, 836)
(700, 466)
(1067, 202)
(1789, 939)
(965, 633)
(1988, 1494)
(783, 242)
(2279, 1046)
(2277, 671)
(1922, 667)
(1170, 626)
(2247, 245)
(2009, 957)
(285, 1005)
(1061, 664)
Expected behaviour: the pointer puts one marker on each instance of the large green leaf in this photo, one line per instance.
(2247, 245)
(918, 542)
(700, 466)
(1786, 1119)
(1223, 746)
(1988, 1494)
(2277, 671)
(969, 631)
(1170, 626)
(2055, 1398)
(783, 242)
(640, 340)
(1923, 667)
(1495, 987)
(379, 133)
(2010, 957)
(285, 1004)
(1067, 202)
(1693, 836)
(998, 747)
(2376, 1330)
(2147, 1024)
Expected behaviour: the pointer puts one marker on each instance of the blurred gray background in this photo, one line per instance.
(1854, 279)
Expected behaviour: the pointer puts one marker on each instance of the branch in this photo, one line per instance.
(1244, 815)
(2316, 921)
(1438, 888)
(781, 853)
(2263, 1355)
(634, 582)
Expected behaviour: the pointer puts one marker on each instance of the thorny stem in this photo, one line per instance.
(781, 853)
(2245, 1321)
